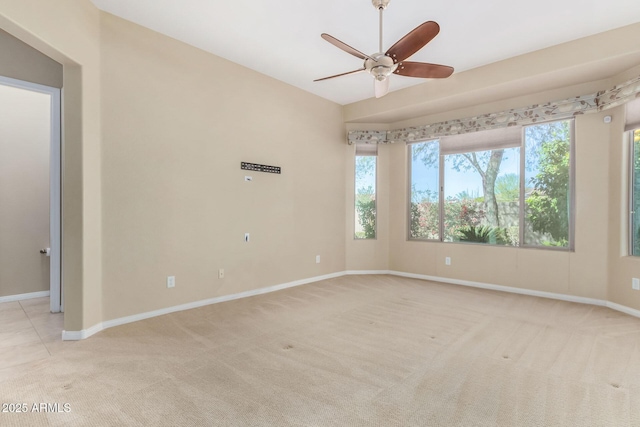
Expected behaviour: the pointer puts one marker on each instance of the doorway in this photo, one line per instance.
(30, 191)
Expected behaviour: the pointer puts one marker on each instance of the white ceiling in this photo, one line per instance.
(281, 38)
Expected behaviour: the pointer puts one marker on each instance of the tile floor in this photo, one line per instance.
(29, 332)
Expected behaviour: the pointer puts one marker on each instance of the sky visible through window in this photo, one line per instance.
(425, 178)
(365, 175)
(470, 181)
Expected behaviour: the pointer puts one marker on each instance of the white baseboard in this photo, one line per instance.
(358, 272)
(86, 333)
(83, 334)
(551, 295)
(530, 292)
(627, 310)
(21, 297)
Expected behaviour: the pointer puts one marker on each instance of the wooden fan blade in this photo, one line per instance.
(423, 70)
(338, 75)
(414, 41)
(355, 52)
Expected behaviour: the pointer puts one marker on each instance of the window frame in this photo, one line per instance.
(631, 176)
(522, 176)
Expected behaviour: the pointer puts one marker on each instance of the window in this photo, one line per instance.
(482, 196)
(471, 188)
(547, 192)
(424, 210)
(365, 191)
(633, 128)
(635, 192)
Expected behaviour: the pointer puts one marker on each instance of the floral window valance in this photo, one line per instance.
(557, 110)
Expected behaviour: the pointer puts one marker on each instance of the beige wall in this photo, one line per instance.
(24, 190)
(20, 61)
(176, 124)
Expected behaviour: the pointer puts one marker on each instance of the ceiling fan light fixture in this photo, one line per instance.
(381, 72)
(381, 87)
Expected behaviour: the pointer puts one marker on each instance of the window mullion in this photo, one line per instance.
(572, 185)
(523, 183)
(632, 180)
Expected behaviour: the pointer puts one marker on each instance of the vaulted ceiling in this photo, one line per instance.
(282, 38)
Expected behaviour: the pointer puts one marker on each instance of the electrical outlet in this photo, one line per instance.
(246, 237)
(635, 284)
(447, 260)
(317, 259)
(221, 273)
(171, 281)
(248, 178)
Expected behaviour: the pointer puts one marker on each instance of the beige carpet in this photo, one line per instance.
(352, 351)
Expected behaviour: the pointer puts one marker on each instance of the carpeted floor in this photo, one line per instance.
(352, 351)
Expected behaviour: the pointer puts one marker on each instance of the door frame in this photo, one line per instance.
(55, 187)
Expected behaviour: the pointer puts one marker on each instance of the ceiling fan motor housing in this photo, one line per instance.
(382, 67)
(380, 4)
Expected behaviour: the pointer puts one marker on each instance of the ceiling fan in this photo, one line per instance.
(382, 65)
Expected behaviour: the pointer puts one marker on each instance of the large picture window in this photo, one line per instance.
(507, 187)
(481, 196)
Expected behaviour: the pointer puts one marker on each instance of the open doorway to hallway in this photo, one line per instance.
(30, 238)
